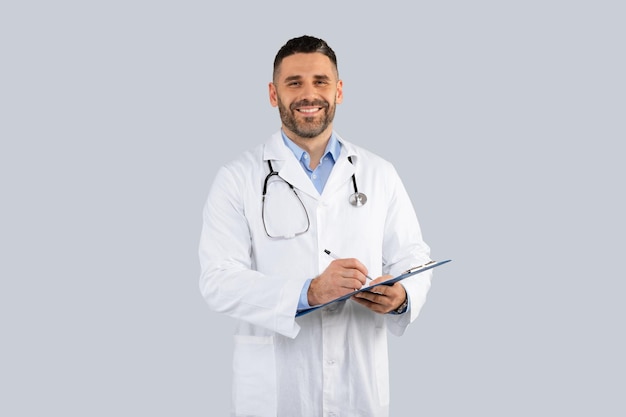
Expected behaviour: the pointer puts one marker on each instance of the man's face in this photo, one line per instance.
(306, 90)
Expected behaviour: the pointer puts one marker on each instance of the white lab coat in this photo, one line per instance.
(332, 362)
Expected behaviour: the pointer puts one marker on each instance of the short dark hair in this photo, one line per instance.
(307, 45)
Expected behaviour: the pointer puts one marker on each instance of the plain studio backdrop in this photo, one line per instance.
(506, 121)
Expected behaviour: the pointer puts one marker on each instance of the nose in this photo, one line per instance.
(308, 91)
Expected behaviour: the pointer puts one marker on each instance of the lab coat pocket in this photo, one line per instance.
(254, 376)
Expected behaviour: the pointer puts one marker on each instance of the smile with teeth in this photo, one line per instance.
(309, 109)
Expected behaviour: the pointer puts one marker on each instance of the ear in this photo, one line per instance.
(339, 91)
(273, 95)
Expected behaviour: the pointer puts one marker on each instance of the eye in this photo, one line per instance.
(293, 84)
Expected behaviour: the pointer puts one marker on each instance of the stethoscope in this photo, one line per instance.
(357, 199)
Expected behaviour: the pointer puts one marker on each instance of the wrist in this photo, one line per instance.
(311, 298)
(403, 307)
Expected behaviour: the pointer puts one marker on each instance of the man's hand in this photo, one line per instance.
(340, 278)
(384, 298)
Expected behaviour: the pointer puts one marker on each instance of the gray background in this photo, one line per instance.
(505, 120)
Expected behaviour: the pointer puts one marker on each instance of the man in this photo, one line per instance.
(270, 216)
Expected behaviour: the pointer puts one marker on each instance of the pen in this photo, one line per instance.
(332, 255)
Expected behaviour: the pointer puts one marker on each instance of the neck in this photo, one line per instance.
(315, 146)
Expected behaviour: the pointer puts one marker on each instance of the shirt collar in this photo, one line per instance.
(333, 147)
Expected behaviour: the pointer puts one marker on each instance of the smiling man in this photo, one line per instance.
(310, 84)
(268, 219)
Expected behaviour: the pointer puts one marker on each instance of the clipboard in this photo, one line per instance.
(408, 273)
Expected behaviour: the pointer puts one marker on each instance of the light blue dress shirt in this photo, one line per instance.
(318, 176)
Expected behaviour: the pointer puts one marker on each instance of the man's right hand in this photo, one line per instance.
(342, 277)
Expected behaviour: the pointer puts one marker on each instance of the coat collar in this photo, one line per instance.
(289, 169)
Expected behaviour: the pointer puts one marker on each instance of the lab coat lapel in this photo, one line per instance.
(292, 172)
(342, 171)
(287, 166)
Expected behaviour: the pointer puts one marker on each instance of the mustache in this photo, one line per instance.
(316, 103)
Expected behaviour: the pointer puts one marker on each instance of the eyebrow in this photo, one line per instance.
(299, 77)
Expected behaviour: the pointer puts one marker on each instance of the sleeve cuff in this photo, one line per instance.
(303, 303)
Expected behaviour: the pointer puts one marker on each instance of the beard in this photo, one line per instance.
(310, 127)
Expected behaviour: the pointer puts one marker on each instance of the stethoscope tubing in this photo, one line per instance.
(357, 199)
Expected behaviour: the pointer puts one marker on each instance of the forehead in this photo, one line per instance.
(303, 65)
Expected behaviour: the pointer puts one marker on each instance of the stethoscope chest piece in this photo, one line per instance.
(357, 199)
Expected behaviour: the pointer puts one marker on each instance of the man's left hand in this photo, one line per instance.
(384, 298)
